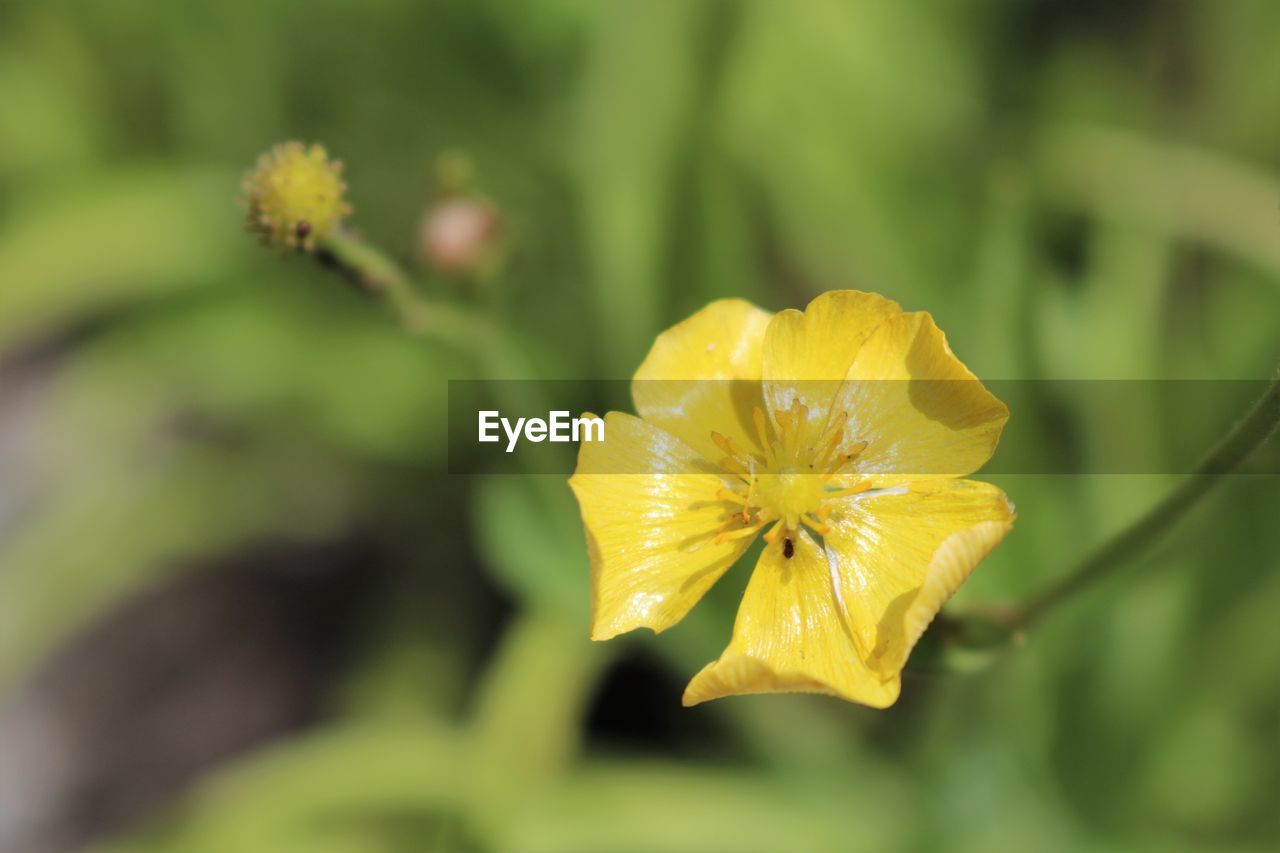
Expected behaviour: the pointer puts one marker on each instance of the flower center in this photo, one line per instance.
(786, 485)
(790, 493)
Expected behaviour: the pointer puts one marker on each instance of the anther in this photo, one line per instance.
(818, 527)
(844, 493)
(728, 535)
(725, 444)
(731, 496)
(762, 428)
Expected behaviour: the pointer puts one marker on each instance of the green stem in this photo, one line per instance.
(372, 272)
(519, 745)
(471, 332)
(525, 726)
(497, 357)
(1246, 437)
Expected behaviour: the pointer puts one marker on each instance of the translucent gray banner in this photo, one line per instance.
(909, 427)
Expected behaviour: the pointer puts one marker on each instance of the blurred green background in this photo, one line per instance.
(243, 608)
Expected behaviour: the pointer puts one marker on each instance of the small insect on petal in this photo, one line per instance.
(788, 550)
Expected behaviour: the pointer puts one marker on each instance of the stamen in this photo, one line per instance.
(821, 462)
(724, 443)
(732, 497)
(729, 535)
(854, 452)
(733, 466)
(792, 422)
(762, 430)
(786, 432)
(778, 492)
(844, 493)
(818, 527)
(751, 493)
(802, 428)
(836, 429)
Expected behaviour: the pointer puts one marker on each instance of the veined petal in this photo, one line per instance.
(922, 413)
(792, 634)
(703, 374)
(807, 353)
(650, 535)
(900, 553)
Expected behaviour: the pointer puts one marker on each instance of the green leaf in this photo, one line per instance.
(70, 254)
(528, 531)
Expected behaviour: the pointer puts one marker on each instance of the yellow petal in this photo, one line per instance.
(921, 412)
(650, 535)
(901, 553)
(807, 354)
(792, 635)
(703, 374)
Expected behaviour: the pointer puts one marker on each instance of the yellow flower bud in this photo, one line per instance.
(295, 195)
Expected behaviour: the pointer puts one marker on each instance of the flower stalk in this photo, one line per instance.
(370, 270)
(1247, 436)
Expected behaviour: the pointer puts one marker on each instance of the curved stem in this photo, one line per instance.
(497, 357)
(1246, 437)
(372, 272)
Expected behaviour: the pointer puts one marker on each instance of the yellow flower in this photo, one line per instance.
(785, 425)
(295, 195)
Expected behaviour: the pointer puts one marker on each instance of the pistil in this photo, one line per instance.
(785, 485)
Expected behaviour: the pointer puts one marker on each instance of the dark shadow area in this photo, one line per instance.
(637, 710)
